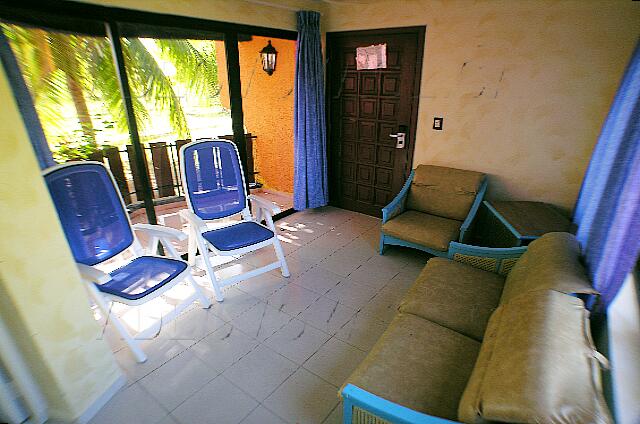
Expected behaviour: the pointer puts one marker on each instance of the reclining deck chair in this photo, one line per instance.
(436, 206)
(214, 184)
(97, 227)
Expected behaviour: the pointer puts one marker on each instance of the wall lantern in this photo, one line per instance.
(269, 54)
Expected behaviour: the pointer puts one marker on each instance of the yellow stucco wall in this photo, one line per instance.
(267, 104)
(41, 296)
(524, 86)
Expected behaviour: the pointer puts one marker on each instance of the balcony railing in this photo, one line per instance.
(164, 169)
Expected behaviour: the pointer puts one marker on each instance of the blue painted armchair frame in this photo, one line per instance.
(353, 396)
(398, 205)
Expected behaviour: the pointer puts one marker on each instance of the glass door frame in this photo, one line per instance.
(115, 23)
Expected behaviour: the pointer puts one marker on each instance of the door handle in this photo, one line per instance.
(400, 137)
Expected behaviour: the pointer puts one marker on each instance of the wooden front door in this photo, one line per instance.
(367, 167)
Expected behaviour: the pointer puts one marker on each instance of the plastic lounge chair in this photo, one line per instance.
(97, 227)
(214, 184)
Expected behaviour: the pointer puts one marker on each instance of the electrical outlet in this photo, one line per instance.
(437, 123)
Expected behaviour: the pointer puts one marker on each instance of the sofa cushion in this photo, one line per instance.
(426, 230)
(420, 365)
(537, 364)
(454, 295)
(446, 192)
(551, 262)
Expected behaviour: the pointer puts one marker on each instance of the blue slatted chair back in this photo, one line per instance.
(91, 211)
(214, 179)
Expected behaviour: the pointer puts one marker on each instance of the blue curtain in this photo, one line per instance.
(608, 209)
(25, 104)
(310, 188)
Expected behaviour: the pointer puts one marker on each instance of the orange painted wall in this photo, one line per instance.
(267, 103)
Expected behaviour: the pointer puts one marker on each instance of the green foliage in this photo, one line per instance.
(63, 69)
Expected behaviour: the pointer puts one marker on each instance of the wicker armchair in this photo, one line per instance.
(435, 207)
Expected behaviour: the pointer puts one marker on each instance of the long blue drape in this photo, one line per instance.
(608, 209)
(310, 188)
(25, 104)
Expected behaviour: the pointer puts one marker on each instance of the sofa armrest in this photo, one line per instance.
(464, 228)
(397, 205)
(498, 260)
(353, 396)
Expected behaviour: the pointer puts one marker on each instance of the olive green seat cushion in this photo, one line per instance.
(423, 229)
(454, 295)
(537, 364)
(445, 192)
(420, 365)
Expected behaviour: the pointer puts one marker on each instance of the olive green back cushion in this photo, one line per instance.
(551, 262)
(536, 365)
(445, 192)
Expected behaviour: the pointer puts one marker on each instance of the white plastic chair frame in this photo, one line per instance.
(157, 234)
(263, 210)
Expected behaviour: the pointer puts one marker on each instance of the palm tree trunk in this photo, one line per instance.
(64, 54)
(82, 111)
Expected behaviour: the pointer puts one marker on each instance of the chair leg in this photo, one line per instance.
(204, 251)
(202, 299)
(280, 254)
(192, 248)
(110, 316)
(381, 250)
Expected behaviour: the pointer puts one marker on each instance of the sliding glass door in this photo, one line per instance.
(185, 80)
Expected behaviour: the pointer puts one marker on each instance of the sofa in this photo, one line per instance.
(435, 207)
(474, 346)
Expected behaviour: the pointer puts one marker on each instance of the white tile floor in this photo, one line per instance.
(276, 350)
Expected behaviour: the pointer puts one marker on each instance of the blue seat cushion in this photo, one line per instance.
(238, 236)
(142, 276)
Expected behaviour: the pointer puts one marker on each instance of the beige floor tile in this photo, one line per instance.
(327, 315)
(261, 321)
(235, 303)
(362, 331)
(297, 341)
(192, 326)
(292, 299)
(262, 415)
(264, 285)
(303, 398)
(219, 402)
(260, 372)
(335, 361)
(131, 405)
(319, 280)
(352, 294)
(335, 417)
(224, 347)
(178, 379)
(344, 261)
(374, 273)
(158, 352)
(382, 307)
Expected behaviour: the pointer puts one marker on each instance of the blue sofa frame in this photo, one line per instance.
(354, 396)
(397, 206)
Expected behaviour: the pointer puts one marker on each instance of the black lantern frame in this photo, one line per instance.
(269, 55)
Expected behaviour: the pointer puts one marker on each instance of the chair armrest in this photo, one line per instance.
(385, 409)
(474, 210)
(194, 220)
(396, 207)
(93, 275)
(264, 205)
(160, 231)
(498, 260)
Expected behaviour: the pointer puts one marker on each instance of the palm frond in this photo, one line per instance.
(106, 87)
(196, 69)
(150, 82)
